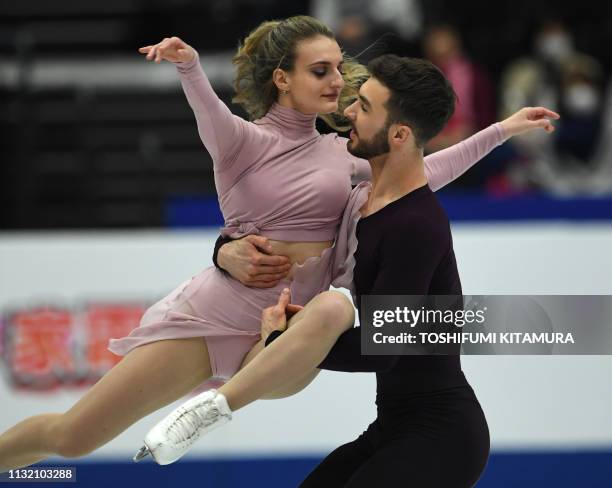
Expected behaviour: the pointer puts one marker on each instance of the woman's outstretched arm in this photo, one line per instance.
(445, 166)
(224, 134)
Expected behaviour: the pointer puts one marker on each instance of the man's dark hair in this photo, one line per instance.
(421, 96)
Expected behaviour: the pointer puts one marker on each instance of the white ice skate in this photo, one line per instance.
(171, 438)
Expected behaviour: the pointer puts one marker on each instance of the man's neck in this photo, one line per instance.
(393, 176)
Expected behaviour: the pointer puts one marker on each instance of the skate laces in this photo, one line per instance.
(189, 422)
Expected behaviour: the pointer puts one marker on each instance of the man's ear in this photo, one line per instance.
(281, 80)
(401, 134)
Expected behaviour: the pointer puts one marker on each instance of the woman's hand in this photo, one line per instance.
(248, 260)
(529, 118)
(275, 317)
(171, 49)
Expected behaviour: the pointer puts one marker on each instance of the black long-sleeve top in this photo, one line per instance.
(403, 249)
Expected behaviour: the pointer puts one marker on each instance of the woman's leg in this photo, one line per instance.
(294, 355)
(148, 378)
(292, 388)
(289, 389)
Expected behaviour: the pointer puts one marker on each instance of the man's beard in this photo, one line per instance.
(368, 149)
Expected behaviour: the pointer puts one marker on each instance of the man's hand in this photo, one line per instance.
(527, 119)
(275, 317)
(248, 260)
(171, 49)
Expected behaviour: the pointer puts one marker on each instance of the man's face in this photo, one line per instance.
(368, 116)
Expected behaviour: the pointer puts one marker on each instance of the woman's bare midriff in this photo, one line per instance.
(298, 252)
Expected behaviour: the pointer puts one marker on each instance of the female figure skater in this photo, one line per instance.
(277, 177)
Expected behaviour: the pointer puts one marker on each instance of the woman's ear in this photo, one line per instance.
(281, 80)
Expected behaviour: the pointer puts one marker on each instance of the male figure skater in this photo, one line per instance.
(430, 430)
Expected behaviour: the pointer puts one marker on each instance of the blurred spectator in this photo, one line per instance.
(559, 77)
(359, 23)
(475, 107)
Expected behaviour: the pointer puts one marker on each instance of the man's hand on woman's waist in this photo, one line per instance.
(248, 260)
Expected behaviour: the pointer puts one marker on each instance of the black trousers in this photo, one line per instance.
(437, 440)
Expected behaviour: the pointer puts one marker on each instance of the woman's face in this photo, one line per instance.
(315, 82)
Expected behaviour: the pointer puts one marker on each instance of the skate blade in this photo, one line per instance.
(141, 454)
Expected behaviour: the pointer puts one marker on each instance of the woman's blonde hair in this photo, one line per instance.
(273, 45)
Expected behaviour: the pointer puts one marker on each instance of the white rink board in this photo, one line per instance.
(530, 402)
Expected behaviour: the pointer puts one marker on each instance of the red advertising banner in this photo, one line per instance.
(48, 346)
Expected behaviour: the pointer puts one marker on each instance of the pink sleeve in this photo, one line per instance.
(223, 133)
(446, 165)
(360, 169)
